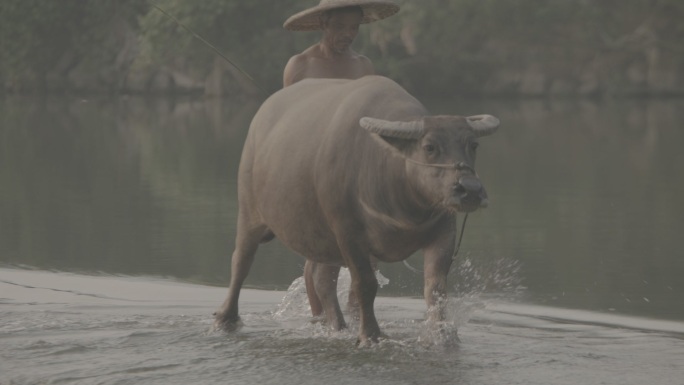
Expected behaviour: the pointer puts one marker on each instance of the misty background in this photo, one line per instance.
(467, 47)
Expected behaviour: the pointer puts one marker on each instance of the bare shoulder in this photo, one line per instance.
(366, 65)
(295, 69)
(296, 60)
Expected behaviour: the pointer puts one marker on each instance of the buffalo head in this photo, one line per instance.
(440, 156)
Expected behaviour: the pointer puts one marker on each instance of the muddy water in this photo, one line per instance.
(573, 274)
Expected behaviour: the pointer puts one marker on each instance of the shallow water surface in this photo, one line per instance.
(75, 329)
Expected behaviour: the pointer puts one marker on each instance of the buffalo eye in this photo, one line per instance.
(430, 149)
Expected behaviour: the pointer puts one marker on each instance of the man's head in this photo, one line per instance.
(340, 27)
(370, 11)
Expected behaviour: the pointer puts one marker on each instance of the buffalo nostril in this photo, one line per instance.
(460, 190)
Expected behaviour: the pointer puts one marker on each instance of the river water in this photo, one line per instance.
(117, 219)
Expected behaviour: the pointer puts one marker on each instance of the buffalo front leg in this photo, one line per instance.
(246, 244)
(435, 290)
(353, 298)
(438, 258)
(366, 286)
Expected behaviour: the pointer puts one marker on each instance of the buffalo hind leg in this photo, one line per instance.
(311, 268)
(324, 279)
(246, 244)
(365, 285)
(314, 301)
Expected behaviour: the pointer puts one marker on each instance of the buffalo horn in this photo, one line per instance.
(483, 125)
(401, 130)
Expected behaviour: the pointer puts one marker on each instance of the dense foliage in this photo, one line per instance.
(37, 36)
(249, 33)
(461, 44)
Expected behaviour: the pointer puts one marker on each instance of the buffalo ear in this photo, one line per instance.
(394, 135)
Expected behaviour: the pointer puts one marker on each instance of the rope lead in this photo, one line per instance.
(456, 249)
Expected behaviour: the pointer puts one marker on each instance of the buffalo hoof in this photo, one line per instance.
(448, 338)
(368, 341)
(442, 334)
(227, 325)
(317, 319)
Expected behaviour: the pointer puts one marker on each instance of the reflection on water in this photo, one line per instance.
(585, 212)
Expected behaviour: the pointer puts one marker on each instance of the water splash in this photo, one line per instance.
(382, 280)
(295, 303)
(444, 333)
(476, 279)
(479, 275)
(294, 309)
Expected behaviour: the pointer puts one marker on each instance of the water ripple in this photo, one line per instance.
(167, 342)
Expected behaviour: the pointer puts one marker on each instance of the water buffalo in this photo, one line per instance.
(342, 170)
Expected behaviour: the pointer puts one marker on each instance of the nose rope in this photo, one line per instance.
(460, 238)
(457, 247)
(457, 165)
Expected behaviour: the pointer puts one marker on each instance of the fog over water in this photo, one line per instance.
(585, 197)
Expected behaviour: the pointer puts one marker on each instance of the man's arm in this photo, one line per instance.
(294, 70)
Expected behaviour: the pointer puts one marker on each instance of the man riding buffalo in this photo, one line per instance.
(332, 57)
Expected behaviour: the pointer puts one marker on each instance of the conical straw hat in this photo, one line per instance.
(309, 19)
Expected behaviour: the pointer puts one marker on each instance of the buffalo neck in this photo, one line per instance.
(390, 196)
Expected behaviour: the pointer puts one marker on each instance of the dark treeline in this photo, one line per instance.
(490, 47)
